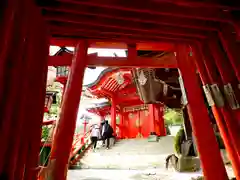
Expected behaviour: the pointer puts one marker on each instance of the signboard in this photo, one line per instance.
(217, 95)
(208, 94)
(230, 96)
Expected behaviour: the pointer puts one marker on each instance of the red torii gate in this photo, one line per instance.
(205, 26)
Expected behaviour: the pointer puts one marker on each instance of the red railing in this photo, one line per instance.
(81, 143)
(79, 147)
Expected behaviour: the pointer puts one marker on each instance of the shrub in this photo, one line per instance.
(45, 133)
(178, 140)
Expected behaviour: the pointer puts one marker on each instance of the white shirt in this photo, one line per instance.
(95, 131)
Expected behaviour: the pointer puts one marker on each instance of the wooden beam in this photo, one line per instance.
(157, 8)
(131, 16)
(71, 29)
(151, 46)
(229, 5)
(168, 61)
(73, 22)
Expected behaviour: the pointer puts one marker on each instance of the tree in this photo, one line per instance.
(172, 116)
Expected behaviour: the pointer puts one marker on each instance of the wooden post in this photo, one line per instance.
(210, 156)
(163, 131)
(121, 125)
(63, 139)
(113, 115)
(152, 119)
(231, 48)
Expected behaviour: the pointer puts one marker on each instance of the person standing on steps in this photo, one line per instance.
(101, 133)
(95, 133)
(107, 133)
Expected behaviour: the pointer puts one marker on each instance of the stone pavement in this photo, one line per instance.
(132, 159)
(149, 174)
(130, 154)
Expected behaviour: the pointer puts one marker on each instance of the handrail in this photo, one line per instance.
(73, 152)
(81, 140)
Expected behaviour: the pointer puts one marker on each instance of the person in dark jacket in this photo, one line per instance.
(107, 133)
(101, 133)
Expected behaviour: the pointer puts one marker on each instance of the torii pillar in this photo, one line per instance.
(113, 115)
(153, 135)
(63, 139)
(163, 131)
(207, 146)
(209, 77)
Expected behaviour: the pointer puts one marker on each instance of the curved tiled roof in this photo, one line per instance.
(100, 105)
(107, 70)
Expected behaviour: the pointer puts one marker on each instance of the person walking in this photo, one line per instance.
(95, 133)
(101, 133)
(107, 133)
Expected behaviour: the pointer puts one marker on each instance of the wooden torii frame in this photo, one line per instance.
(210, 29)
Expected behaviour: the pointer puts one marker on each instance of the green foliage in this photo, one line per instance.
(177, 140)
(172, 117)
(45, 133)
(55, 108)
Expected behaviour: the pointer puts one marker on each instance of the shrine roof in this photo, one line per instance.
(101, 108)
(103, 73)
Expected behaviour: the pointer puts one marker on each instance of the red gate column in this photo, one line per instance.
(208, 75)
(113, 115)
(209, 152)
(230, 82)
(121, 124)
(161, 121)
(151, 109)
(227, 78)
(62, 143)
(231, 47)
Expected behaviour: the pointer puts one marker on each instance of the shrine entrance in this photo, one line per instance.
(202, 41)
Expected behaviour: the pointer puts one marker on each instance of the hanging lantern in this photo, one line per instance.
(119, 78)
(142, 79)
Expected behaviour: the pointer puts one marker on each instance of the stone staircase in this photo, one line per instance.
(129, 154)
(131, 159)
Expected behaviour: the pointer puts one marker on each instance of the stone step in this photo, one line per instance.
(130, 154)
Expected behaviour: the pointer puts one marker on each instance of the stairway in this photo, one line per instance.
(129, 154)
(131, 159)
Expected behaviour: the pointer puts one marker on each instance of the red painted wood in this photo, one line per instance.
(209, 77)
(159, 9)
(201, 124)
(161, 120)
(70, 22)
(113, 114)
(151, 109)
(167, 62)
(154, 46)
(10, 100)
(64, 135)
(231, 47)
(157, 120)
(227, 76)
(64, 38)
(132, 17)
